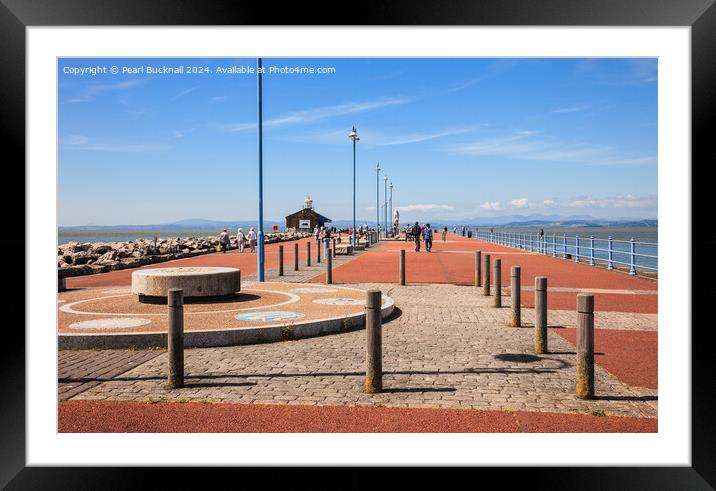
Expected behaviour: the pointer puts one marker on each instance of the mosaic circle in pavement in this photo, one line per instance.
(107, 309)
(339, 301)
(270, 316)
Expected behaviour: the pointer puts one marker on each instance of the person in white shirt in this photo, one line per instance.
(240, 238)
(252, 239)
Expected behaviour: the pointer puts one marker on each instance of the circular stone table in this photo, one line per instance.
(151, 285)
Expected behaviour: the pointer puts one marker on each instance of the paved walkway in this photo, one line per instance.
(447, 349)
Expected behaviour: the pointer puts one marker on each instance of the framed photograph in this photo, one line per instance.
(544, 145)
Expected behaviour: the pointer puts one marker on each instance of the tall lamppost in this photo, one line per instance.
(385, 181)
(260, 255)
(377, 200)
(354, 136)
(390, 214)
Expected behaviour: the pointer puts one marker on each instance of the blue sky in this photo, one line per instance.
(459, 139)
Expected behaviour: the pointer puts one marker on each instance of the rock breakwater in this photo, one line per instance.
(77, 259)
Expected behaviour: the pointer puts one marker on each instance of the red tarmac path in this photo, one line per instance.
(172, 417)
(631, 356)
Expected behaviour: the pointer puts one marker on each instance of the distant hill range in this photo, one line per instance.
(543, 221)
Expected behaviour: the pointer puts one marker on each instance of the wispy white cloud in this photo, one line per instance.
(530, 145)
(79, 142)
(418, 137)
(464, 85)
(217, 99)
(74, 140)
(183, 93)
(319, 113)
(92, 91)
(426, 207)
(491, 205)
(628, 201)
(587, 203)
(571, 109)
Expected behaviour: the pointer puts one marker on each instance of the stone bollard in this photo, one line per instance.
(175, 338)
(280, 260)
(515, 285)
(486, 277)
(478, 268)
(295, 256)
(541, 315)
(585, 347)
(318, 253)
(308, 253)
(374, 348)
(402, 266)
(498, 283)
(329, 267)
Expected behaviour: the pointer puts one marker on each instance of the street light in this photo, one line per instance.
(377, 201)
(385, 180)
(390, 215)
(354, 136)
(260, 255)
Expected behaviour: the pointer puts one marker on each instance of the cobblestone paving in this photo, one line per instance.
(445, 347)
(82, 370)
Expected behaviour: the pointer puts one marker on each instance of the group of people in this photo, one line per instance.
(424, 233)
(242, 240)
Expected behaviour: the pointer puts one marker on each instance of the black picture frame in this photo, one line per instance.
(700, 15)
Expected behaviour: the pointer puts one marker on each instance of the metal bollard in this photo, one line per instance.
(295, 256)
(308, 253)
(280, 260)
(498, 283)
(591, 250)
(554, 245)
(334, 247)
(515, 282)
(541, 315)
(478, 268)
(61, 284)
(329, 267)
(318, 253)
(486, 277)
(576, 248)
(402, 266)
(175, 337)
(585, 347)
(610, 264)
(374, 344)
(632, 258)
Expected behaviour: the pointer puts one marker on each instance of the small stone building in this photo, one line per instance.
(307, 218)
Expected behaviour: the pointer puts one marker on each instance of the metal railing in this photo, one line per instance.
(592, 251)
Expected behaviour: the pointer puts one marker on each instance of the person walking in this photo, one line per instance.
(252, 239)
(224, 240)
(326, 240)
(317, 235)
(428, 237)
(416, 236)
(444, 234)
(240, 239)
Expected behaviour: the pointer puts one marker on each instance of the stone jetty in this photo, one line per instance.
(77, 259)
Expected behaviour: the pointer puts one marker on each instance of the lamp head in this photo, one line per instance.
(353, 135)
